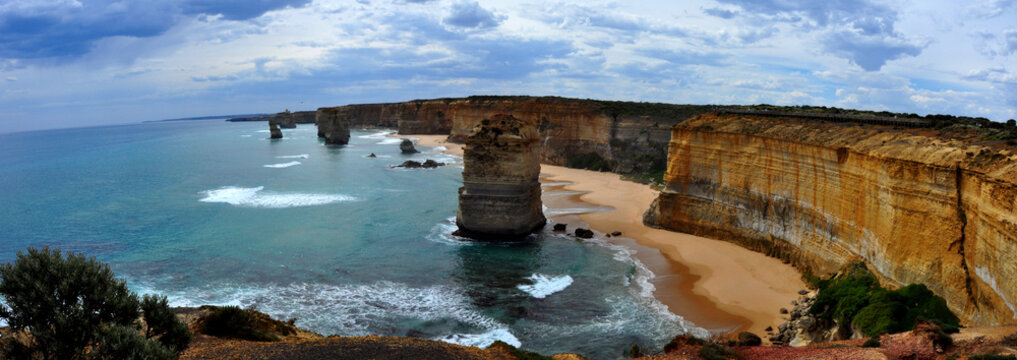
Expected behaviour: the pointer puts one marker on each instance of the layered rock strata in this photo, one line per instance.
(918, 208)
(624, 137)
(500, 197)
(333, 125)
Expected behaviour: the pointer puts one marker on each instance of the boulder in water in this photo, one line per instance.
(407, 147)
(584, 233)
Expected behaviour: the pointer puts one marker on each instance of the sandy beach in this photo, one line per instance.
(715, 284)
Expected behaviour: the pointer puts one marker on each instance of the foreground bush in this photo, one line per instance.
(73, 307)
(855, 297)
(234, 322)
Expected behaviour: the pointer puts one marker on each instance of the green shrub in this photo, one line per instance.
(163, 325)
(122, 342)
(518, 354)
(234, 322)
(63, 302)
(713, 351)
(872, 342)
(681, 341)
(855, 297)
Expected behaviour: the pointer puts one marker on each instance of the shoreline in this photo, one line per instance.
(716, 285)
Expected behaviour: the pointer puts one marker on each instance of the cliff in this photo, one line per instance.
(299, 117)
(624, 137)
(500, 197)
(919, 207)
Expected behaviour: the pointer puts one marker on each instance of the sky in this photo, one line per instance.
(72, 63)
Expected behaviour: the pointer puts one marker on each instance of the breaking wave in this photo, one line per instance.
(544, 285)
(283, 165)
(253, 197)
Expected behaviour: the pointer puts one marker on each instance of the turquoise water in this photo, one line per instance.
(209, 212)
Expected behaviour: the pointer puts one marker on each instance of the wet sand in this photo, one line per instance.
(715, 284)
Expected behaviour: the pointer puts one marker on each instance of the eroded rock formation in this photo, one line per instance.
(500, 197)
(406, 147)
(285, 120)
(334, 125)
(273, 129)
(624, 137)
(917, 207)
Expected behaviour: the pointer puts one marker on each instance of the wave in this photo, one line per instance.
(301, 156)
(252, 197)
(483, 340)
(350, 310)
(390, 141)
(246, 136)
(557, 183)
(577, 210)
(442, 233)
(283, 165)
(644, 288)
(544, 285)
(377, 135)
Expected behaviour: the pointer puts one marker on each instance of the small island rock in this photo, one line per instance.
(407, 147)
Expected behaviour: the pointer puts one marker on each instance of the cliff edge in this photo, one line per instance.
(918, 206)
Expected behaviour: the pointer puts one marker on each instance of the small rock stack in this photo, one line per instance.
(273, 128)
(500, 197)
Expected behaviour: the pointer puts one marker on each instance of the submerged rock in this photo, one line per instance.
(407, 147)
(372, 155)
(500, 197)
(427, 164)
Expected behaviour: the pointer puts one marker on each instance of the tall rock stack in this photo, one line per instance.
(500, 197)
(333, 125)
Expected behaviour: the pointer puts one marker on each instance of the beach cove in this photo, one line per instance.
(716, 285)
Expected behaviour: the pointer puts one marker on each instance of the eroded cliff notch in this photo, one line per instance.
(500, 197)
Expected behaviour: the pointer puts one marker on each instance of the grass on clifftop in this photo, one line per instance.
(855, 297)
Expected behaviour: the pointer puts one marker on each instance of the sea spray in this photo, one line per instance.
(544, 285)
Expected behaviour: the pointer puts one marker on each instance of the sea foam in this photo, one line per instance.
(283, 165)
(544, 285)
(483, 340)
(253, 197)
(347, 309)
(377, 135)
(301, 156)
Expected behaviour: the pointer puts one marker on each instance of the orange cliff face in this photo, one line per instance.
(916, 208)
(629, 137)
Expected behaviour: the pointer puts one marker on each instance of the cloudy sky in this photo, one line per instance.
(66, 63)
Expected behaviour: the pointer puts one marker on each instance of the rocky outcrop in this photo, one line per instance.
(406, 147)
(624, 137)
(500, 197)
(414, 117)
(273, 129)
(299, 117)
(917, 207)
(427, 164)
(333, 125)
(285, 120)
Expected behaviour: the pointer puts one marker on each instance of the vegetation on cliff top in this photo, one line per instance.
(73, 307)
(855, 297)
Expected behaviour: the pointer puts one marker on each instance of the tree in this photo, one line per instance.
(70, 305)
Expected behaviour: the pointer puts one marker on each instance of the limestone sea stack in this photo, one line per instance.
(500, 197)
(333, 125)
(274, 129)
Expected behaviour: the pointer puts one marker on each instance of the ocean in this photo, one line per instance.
(211, 212)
